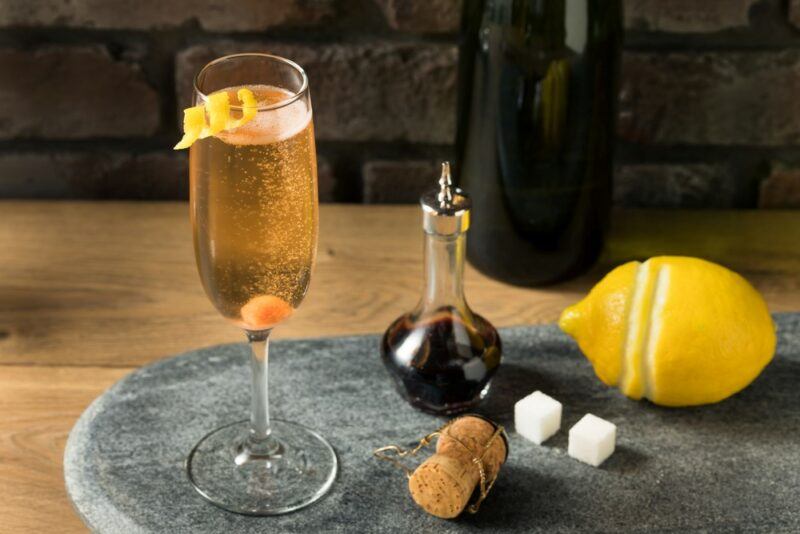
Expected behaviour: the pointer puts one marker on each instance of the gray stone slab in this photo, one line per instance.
(734, 466)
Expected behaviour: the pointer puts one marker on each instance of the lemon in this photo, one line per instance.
(678, 331)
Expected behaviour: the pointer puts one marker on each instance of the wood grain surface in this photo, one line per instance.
(89, 291)
(39, 405)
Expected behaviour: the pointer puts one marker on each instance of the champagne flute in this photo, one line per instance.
(254, 212)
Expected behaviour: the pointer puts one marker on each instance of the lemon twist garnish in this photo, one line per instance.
(194, 122)
(218, 109)
(249, 108)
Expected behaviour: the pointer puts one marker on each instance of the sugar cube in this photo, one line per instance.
(537, 417)
(592, 440)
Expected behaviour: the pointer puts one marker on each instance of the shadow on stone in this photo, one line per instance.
(767, 406)
(521, 490)
(625, 460)
(512, 383)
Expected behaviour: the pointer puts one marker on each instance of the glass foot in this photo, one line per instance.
(296, 469)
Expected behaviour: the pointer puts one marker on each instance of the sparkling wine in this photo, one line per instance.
(254, 211)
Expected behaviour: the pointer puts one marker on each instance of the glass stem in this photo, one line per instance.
(259, 441)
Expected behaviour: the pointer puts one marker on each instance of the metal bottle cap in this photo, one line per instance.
(445, 210)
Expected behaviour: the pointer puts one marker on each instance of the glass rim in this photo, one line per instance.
(296, 95)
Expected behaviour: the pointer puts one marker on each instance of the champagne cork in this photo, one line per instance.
(445, 482)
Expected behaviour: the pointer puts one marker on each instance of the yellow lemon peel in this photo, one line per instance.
(194, 122)
(249, 108)
(218, 109)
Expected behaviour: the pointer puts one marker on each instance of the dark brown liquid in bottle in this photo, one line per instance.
(441, 364)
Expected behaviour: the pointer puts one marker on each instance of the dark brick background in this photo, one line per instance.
(91, 93)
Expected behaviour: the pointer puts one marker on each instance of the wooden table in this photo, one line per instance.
(89, 291)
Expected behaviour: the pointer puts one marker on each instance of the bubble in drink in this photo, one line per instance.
(254, 211)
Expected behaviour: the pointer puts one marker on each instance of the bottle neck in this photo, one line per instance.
(444, 272)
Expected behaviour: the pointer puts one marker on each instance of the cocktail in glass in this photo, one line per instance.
(254, 212)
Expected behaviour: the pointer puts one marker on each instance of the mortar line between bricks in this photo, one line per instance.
(84, 145)
(652, 43)
(59, 35)
(696, 48)
(629, 151)
(687, 153)
(635, 40)
(144, 146)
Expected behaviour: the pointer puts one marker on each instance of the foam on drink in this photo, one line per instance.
(269, 125)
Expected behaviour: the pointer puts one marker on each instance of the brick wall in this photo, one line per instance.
(91, 93)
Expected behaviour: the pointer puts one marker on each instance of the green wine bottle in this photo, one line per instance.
(537, 105)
